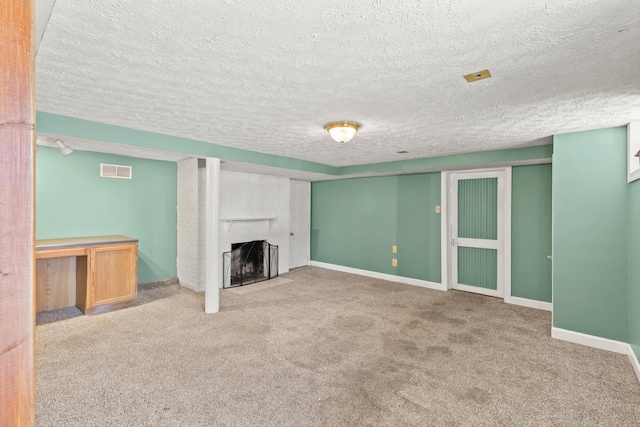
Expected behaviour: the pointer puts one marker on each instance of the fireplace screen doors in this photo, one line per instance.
(249, 262)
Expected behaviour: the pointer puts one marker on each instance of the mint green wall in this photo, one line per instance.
(418, 228)
(355, 222)
(72, 200)
(531, 232)
(590, 252)
(634, 266)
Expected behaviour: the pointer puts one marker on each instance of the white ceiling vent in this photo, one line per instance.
(115, 171)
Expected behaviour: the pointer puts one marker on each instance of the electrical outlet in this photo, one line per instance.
(437, 208)
(394, 249)
(394, 262)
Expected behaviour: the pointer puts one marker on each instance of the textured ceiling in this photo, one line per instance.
(267, 75)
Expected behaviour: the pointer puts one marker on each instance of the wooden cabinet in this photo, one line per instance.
(94, 273)
(113, 275)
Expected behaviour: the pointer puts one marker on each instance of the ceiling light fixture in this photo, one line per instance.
(342, 131)
(65, 150)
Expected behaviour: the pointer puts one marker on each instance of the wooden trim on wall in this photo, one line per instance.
(17, 229)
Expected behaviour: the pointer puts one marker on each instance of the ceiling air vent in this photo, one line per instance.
(480, 75)
(115, 171)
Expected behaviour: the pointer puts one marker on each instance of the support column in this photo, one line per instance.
(212, 232)
(17, 230)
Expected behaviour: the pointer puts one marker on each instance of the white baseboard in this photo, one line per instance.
(383, 276)
(633, 358)
(531, 303)
(601, 343)
(590, 340)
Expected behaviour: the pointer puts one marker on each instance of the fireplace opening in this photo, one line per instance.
(249, 262)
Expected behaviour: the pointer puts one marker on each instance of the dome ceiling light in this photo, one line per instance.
(342, 131)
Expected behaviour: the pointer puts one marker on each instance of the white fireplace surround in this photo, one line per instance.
(251, 207)
(260, 206)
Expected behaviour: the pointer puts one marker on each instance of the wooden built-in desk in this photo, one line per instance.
(93, 273)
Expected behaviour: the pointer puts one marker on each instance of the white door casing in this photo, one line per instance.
(451, 242)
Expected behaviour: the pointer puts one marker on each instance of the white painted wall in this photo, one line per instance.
(244, 195)
(299, 224)
(188, 227)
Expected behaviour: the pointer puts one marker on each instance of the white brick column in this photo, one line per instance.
(188, 232)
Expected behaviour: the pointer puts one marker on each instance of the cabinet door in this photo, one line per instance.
(55, 283)
(114, 274)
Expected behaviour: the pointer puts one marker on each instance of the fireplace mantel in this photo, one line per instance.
(228, 222)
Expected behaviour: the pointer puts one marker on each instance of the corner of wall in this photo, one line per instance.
(633, 358)
(633, 296)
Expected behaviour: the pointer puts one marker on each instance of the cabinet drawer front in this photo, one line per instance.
(60, 252)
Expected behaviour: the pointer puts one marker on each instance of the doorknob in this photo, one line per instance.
(290, 234)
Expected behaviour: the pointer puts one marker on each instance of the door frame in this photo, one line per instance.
(504, 225)
(307, 208)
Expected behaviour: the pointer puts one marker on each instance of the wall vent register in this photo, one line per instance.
(115, 171)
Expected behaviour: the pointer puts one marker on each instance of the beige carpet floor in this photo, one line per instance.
(327, 349)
